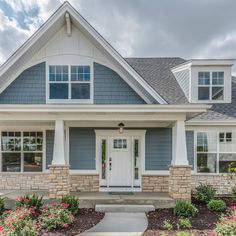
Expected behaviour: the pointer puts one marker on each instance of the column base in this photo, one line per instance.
(59, 183)
(180, 182)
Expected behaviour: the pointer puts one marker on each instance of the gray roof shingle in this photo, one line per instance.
(156, 72)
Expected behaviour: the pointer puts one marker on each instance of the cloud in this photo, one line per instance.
(186, 28)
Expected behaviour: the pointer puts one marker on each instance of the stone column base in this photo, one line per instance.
(59, 183)
(180, 182)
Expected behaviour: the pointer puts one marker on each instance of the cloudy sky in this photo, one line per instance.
(136, 28)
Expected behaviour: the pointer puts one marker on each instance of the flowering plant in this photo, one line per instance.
(30, 201)
(71, 203)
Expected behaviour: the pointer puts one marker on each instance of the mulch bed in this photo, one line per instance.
(86, 219)
(202, 224)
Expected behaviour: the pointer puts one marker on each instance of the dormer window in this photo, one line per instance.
(210, 85)
(69, 83)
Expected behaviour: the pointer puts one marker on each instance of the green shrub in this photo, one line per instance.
(185, 223)
(19, 222)
(216, 205)
(233, 193)
(29, 201)
(184, 208)
(167, 225)
(55, 217)
(71, 203)
(2, 205)
(182, 233)
(205, 193)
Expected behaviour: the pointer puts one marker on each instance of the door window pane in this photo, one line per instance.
(104, 158)
(80, 91)
(136, 159)
(119, 143)
(206, 162)
(58, 91)
(11, 162)
(32, 162)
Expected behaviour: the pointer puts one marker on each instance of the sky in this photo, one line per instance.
(135, 28)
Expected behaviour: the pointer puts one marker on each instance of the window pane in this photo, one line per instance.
(206, 163)
(136, 159)
(32, 162)
(58, 91)
(229, 143)
(80, 91)
(11, 141)
(11, 162)
(203, 78)
(52, 70)
(203, 93)
(31, 139)
(86, 69)
(225, 161)
(104, 159)
(207, 142)
(217, 78)
(87, 77)
(217, 93)
(80, 73)
(52, 77)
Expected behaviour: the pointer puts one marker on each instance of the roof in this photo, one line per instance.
(220, 111)
(157, 73)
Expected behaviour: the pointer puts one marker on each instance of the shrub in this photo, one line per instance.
(30, 201)
(182, 233)
(216, 205)
(71, 203)
(184, 208)
(167, 225)
(185, 223)
(226, 227)
(19, 222)
(233, 193)
(2, 204)
(205, 193)
(55, 217)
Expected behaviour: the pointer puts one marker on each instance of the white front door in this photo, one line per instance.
(120, 162)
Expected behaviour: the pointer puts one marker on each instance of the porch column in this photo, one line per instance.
(180, 170)
(59, 170)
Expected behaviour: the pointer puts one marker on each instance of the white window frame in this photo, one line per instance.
(210, 86)
(69, 100)
(15, 129)
(217, 152)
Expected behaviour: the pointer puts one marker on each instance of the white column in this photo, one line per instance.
(59, 144)
(179, 156)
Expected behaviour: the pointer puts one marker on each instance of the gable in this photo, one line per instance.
(69, 49)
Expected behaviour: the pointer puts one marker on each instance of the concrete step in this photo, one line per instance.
(123, 208)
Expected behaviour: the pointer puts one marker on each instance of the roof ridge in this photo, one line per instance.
(154, 58)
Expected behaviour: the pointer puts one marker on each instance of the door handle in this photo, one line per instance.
(110, 163)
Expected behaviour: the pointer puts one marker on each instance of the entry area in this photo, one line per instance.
(120, 158)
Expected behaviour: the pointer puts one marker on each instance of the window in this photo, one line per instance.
(210, 85)
(104, 158)
(136, 159)
(69, 83)
(119, 143)
(22, 151)
(215, 151)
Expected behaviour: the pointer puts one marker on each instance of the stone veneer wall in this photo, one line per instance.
(218, 181)
(84, 183)
(15, 181)
(155, 183)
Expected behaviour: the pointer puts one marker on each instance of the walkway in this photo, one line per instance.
(123, 224)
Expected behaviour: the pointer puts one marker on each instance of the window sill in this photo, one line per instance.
(69, 101)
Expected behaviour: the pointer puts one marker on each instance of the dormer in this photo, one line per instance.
(205, 80)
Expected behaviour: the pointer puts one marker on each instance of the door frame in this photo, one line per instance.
(107, 135)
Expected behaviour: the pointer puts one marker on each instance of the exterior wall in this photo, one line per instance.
(183, 78)
(84, 183)
(82, 148)
(28, 88)
(158, 148)
(110, 88)
(49, 147)
(15, 181)
(155, 183)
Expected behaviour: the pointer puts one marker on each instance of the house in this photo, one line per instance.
(77, 116)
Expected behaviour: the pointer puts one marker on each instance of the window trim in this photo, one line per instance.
(210, 86)
(21, 130)
(69, 100)
(217, 152)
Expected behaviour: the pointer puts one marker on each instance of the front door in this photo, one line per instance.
(120, 162)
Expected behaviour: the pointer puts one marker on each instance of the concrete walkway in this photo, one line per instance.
(124, 224)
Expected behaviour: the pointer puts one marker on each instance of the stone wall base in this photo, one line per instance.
(84, 183)
(59, 180)
(155, 183)
(180, 182)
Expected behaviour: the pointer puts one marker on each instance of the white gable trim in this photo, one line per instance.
(59, 15)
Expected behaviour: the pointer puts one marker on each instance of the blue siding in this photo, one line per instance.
(110, 88)
(27, 88)
(190, 147)
(158, 148)
(49, 147)
(82, 148)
